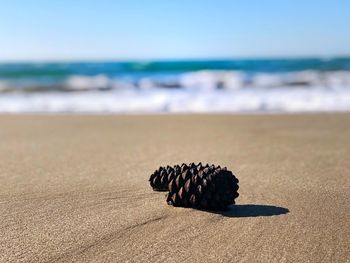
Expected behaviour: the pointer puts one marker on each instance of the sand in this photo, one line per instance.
(75, 188)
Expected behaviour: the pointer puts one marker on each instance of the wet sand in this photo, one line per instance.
(75, 188)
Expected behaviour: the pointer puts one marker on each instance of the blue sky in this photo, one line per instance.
(160, 29)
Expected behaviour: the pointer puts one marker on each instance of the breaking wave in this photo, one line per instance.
(108, 89)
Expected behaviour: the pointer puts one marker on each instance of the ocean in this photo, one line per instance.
(202, 86)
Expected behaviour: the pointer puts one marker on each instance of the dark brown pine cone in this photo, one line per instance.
(160, 179)
(206, 187)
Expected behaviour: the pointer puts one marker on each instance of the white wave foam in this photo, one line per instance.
(232, 80)
(211, 79)
(201, 80)
(98, 82)
(203, 91)
(77, 82)
(180, 100)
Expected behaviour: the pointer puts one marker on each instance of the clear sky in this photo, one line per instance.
(160, 29)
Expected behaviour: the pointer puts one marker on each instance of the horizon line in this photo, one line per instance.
(194, 59)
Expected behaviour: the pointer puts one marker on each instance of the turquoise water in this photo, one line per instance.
(18, 70)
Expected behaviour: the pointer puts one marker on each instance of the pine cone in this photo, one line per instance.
(160, 179)
(207, 187)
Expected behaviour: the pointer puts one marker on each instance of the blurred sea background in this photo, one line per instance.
(185, 56)
(244, 85)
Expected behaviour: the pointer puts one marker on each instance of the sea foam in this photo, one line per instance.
(283, 99)
(80, 89)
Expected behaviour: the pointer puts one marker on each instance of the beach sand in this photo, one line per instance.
(75, 188)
